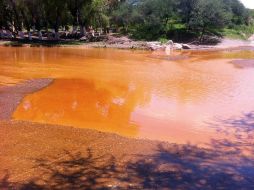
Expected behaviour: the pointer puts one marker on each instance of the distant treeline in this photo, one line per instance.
(152, 19)
(54, 15)
(142, 19)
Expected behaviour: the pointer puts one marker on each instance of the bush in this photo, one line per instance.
(239, 32)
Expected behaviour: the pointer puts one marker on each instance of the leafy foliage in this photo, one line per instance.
(142, 19)
(152, 19)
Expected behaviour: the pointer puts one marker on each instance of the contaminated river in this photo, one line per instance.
(183, 97)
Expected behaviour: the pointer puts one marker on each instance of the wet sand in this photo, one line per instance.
(38, 156)
(11, 96)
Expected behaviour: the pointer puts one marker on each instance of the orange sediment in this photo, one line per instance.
(134, 93)
(189, 98)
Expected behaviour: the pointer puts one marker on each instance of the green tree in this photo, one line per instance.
(207, 16)
(5, 15)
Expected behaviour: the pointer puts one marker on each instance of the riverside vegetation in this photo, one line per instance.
(179, 20)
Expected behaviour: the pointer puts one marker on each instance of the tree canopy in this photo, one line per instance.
(153, 18)
(142, 19)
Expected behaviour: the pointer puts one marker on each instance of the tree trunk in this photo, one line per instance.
(48, 34)
(57, 24)
(29, 35)
(57, 36)
(1, 33)
(39, 35)
(74, 29)
(17, 24)
(34, 30)
(202, 34)
(82, 31)
(21, 34)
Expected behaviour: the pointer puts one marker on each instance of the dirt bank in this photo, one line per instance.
(34, 156)
(123, 42)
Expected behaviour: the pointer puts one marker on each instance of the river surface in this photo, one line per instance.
(181, 97)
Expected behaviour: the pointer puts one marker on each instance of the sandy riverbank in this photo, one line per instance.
(11, 96)
(124, 42)
(35, 156)
(39, 156)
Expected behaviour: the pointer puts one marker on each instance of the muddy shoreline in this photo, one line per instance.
(11, 96)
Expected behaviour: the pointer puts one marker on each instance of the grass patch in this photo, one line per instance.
(163, 40)
(239, 32)
(13, 44)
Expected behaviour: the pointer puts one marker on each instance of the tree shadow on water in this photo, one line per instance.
(223, 166)
(240, 133)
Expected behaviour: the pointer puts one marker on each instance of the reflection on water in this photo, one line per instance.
(84, 104)
(134, 94)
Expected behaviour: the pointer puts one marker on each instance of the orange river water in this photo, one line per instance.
(180, 97)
